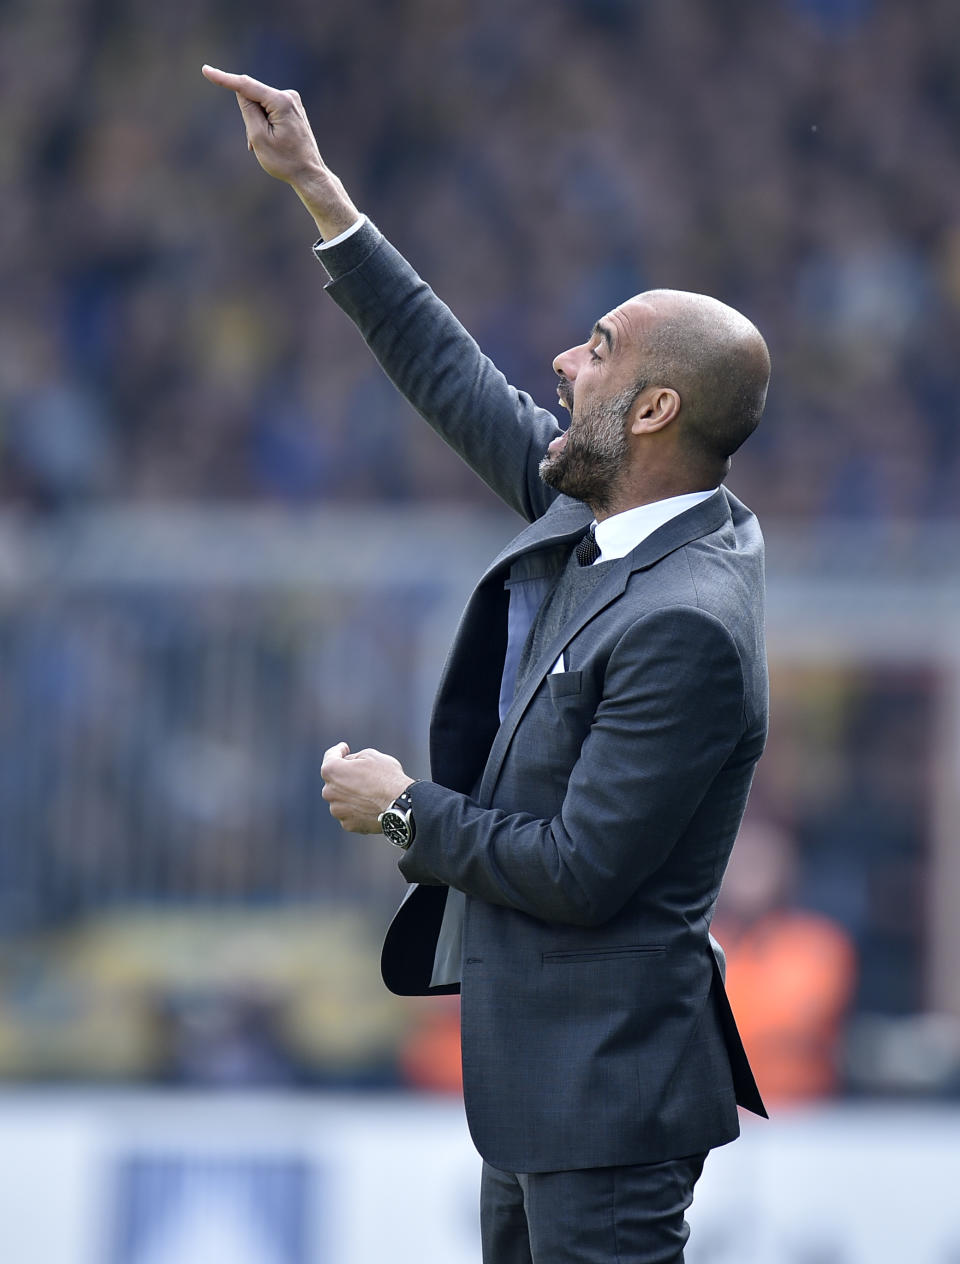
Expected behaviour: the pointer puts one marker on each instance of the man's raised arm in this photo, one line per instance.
(421, 346)
(280, 135)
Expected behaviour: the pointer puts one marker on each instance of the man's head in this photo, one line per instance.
(664, 391)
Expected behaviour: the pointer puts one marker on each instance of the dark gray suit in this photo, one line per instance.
(589, 830)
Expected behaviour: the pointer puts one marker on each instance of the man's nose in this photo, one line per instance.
(565, 364)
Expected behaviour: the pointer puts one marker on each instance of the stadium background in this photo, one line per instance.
(224, 544)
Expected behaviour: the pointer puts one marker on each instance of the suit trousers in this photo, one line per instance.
(604, 1215)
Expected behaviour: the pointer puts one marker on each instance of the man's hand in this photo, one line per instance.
(359, 787)
(279, 133)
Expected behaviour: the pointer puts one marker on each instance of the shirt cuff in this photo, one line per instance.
(347, 232)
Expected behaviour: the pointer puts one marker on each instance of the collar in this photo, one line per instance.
(620, 534)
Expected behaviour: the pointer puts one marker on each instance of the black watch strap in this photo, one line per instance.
(397, 821)
(404, 802)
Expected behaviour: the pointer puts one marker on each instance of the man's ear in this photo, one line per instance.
(653, 409)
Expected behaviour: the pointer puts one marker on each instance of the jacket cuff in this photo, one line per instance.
(347, 255)
(428, 799)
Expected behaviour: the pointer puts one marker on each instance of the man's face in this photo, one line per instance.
(598, 383)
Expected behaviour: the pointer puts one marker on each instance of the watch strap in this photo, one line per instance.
(396, 821)
(404, 802)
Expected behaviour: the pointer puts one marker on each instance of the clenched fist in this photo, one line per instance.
(359, 787)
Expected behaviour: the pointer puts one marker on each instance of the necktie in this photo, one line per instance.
(588, 550)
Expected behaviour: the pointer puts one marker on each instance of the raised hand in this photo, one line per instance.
(279, 133)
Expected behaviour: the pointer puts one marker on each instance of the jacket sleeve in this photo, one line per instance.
(440, 370)
(671, 715)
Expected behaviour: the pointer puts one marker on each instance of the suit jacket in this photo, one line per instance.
(590, 830)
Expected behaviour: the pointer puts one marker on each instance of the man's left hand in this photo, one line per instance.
(359, 787)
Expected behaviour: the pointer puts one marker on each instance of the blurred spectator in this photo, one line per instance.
(227, 1038)
(429, 1056)
(790, 973)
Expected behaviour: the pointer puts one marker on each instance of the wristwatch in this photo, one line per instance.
(397, 821)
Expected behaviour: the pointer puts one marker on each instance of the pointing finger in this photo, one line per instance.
(243, 85)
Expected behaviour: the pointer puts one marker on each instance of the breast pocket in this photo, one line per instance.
(561, 684)
(565, 709)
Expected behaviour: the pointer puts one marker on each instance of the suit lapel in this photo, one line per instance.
(702, 519)
(565, 519)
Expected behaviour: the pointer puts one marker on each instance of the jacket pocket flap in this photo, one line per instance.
(562, 956)
(560, 683)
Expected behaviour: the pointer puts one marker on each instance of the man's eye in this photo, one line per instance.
(593, 355)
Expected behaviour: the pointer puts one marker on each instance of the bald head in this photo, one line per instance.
(666, 388)
(712, 356)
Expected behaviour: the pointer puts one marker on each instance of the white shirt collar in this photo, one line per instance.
(619, 535)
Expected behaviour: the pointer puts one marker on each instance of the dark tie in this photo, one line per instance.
(588, 550)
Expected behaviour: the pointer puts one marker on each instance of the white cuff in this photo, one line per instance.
(347, 232)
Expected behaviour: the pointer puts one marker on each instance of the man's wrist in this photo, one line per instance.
(402, 787)
(326, 199)
(396, 820)
(340, 238)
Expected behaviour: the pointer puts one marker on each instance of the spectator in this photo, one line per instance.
(790, 973)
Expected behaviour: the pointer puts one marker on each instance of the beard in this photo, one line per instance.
(589, 465)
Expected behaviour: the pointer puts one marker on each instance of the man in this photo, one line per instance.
(592, 743)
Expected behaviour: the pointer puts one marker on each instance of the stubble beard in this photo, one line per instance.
(589, 465)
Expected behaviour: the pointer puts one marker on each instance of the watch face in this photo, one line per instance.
(395, 827)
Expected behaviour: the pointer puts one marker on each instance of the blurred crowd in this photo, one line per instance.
(176, 902)
(164, 339)
(163, 334)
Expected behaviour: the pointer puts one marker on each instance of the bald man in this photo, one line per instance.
(592, 744)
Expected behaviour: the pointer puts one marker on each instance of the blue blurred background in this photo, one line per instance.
(225, 544)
